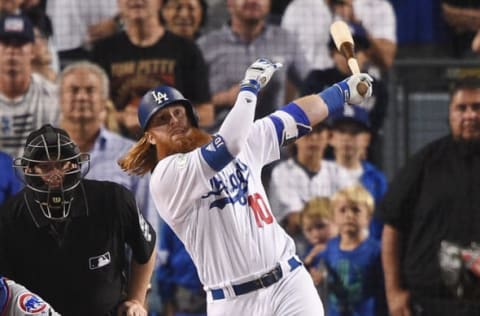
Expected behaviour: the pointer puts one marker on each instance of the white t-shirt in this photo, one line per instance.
(310, 21)
(71, 19)
(224, 218)
(378, 18)
(291, 186)
(21, 116)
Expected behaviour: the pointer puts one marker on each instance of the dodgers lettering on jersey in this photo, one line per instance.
(223, 217)
(232, 188)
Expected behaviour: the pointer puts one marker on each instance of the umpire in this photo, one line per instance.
(64, 237)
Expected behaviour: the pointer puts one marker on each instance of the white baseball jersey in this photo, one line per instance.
(16, 300)
(224, 218)
(291, 186)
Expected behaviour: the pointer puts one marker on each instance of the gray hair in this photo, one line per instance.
(93, 68)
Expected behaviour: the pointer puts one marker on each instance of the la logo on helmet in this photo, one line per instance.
(159, 97)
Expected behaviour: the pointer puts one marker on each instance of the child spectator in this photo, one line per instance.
(348, 131)
(353, 262)
(316, 222)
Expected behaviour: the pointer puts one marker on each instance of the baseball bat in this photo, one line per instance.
(344, 42)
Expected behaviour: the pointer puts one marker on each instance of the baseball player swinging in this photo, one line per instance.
(209, 191)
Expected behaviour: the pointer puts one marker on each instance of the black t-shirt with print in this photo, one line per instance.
(133, 70)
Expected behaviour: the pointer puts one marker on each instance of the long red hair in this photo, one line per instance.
(143, 156)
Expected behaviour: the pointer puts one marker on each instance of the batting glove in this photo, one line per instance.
(259, 74)
(349, 88)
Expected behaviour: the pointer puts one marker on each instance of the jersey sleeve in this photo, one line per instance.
(177, 182)
(140, 235)
(23, 302)
(263, 143)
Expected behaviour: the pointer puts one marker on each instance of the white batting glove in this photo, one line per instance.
(259, 74)
(349, 88)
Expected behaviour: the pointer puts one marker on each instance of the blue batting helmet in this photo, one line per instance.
(160, 97)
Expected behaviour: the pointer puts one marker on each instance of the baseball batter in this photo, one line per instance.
(16, 300)
(208, 189)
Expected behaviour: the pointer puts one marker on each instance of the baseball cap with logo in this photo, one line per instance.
(16, 28)
(354, 116)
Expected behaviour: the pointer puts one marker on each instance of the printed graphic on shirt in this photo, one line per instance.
(31, 304)
(99, 261)
(147, 234)
(230, 187)
(131, 79)
(15, 129)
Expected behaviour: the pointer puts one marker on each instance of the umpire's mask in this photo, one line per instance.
(52, 169)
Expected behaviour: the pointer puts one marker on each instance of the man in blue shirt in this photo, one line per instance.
(83, 96)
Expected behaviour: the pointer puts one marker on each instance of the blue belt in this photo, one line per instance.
(265, 280)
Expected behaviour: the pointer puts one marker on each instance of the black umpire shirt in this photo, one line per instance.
(78, 267)
(435, 197)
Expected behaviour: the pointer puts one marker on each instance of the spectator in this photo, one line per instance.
(348, 150)
(78, 24)
(146, 55)
(42, 57)
(179, 286)
(318, 228)
(35, 11)
(377, 104)
(185, 17)
(353, 260)
(9, 183)
(28, 100)
(378, 18)
(77, 231)
(432, 200)
(464, 19)
(229, 50)
(347, 140)
(309, 21)
(301, 178)
(421, 29)
(83, 102)
(16, 300)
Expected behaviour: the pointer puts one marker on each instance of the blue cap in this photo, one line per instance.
(16, 27)
(352, 113)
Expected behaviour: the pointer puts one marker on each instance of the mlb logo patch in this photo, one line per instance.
(31, 304)
(99, 261)
(14, 25)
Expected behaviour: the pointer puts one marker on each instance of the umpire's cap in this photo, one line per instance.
(161, 97)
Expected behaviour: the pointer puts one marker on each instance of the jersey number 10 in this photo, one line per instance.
(260, 209)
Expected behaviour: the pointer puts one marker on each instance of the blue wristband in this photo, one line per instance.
(335, 97)
(250, 85)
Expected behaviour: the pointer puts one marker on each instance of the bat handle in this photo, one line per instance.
(362, 87)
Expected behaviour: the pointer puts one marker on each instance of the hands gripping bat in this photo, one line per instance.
(344, 42)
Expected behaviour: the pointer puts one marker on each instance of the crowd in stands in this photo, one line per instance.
(83, 66)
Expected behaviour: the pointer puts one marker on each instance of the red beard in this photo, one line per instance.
(193, 139)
